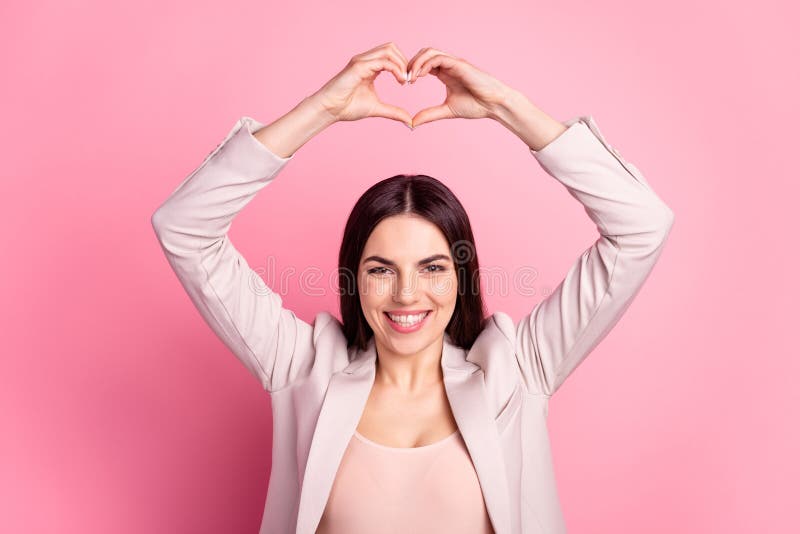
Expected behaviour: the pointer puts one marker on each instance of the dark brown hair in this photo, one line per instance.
(429, 198)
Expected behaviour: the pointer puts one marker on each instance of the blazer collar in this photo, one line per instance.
(344, 404)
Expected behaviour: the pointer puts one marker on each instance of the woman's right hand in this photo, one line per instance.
(350, 95)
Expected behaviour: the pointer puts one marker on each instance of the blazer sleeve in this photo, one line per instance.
(192, 227)
(633, 223)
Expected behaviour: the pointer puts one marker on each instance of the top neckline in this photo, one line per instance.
(404, 449)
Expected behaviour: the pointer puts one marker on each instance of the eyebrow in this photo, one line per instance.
(423, 261)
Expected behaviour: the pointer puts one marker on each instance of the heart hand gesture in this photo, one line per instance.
(471, 93)
(350, 95)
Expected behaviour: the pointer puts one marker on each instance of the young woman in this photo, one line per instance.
(416, 412)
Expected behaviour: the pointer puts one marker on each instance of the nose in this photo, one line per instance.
(404, 288)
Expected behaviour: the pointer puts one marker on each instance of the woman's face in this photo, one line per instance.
(406, 266)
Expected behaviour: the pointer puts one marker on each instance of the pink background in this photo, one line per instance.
(120, 411)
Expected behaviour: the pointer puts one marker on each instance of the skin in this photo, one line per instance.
(408, 404)
(408, 362)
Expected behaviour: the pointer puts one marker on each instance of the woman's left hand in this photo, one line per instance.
(471, 93)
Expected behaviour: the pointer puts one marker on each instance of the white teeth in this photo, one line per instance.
(408, 320)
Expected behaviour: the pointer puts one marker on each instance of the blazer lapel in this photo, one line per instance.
(464, 383)
(341, 411)
(344, 404)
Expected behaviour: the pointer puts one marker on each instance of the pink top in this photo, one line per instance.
(382, 490)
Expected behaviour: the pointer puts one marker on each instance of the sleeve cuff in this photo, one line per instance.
(240, 150)
(250, 125)
(582, 138)
(571, 124)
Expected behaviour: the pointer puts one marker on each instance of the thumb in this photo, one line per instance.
(432, 114)
(389, 111)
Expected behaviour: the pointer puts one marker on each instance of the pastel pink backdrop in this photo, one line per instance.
(120, 411)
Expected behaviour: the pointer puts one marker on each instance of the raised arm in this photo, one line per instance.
(192, 224)
(551, 341)
(633, 223)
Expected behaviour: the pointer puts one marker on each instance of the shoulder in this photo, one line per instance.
(502, 323)
(325, 323)
(494, 345)
(494, 352)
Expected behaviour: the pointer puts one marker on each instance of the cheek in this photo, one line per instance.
(444, 287)
(373, 290)
(373, 285)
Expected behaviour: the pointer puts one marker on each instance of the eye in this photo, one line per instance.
(430, 269)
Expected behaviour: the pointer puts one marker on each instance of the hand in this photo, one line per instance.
(471, 93)
(350, 95)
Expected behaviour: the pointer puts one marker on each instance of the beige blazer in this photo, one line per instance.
(498, 390)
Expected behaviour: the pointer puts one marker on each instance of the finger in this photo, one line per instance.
(432, 114)
(388, 53)
(401, 63)
(380, 64)
(413, 59)
(393, 56)
(435, 62)
(416, 63)
(427, 51)
(401, 54)
(371, 50)
(389, 111)
(386, 49)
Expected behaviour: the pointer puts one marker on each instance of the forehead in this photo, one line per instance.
(406, 236)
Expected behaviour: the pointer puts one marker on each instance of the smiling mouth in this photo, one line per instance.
(407, 326)
(426, 312)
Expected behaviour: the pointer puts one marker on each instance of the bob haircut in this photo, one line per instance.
(429, 198)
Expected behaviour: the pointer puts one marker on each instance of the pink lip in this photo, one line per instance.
(406, 329)
(406, 312)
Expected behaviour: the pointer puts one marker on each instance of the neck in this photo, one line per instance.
(409, 373)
